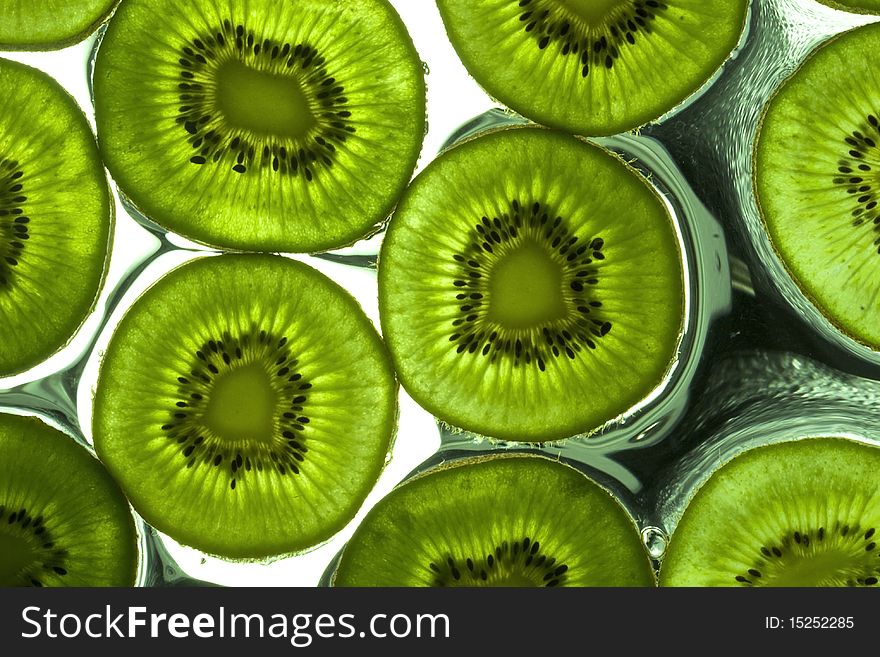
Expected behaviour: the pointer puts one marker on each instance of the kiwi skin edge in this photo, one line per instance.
(59, 44)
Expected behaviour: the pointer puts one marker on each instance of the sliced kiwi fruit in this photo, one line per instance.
(857, 6)
(41, 25)
(595, 67)
(55, 217)
(530, 286)
(798, 513)
(246, 405)
(816, 180)
(258, 124)
(508, 520)
(63, 520)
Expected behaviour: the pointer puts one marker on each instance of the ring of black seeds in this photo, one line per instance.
(33, 531)
(13, 222)
(199, 447)
(805, 544)
(587, 48)
(521, 557)
(858, 176)
(199, 60)
(585, 325)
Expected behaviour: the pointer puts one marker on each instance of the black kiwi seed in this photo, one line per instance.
(213, 359)
(13, 223)
(48, 558)
(524, 559)
(270, 153)
(587, 50)
(857, 176)
(474, 331)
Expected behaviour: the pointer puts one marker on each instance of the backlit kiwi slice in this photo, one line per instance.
(817, 163)
(55, 217)
(530, 286)
(63, 520)
(41, 25)
(801, 513)
(246, 406)
(523, 521)
(593, 67)
(258, 124)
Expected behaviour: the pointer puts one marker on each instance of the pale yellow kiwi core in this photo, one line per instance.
(18, 555)
(262, 103)
(525, 288)
(592, 11)
(242, 405)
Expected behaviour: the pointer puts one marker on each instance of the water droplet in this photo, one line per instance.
(655, 540)
(425, 68)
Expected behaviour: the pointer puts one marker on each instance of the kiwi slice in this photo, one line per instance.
(63, 520)
(512, 520)
(41, 25)
(246, 405)
(594, 67)
(816, 180)
(530, 286)
(258, 124)
(798, 513)
(55, 217)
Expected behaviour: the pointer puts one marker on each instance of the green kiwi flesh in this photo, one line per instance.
(246, 405)
(816, 182)
(801, 513)
(260, 125)
(55, 217)
(40, 25)
(63, 520)
(530, 286)
(857, 6)
(594, 67)
(521, 521)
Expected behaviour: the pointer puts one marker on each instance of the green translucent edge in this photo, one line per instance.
(399, 514)
(46, 26)
(70, 312)
(206, 537)
(857, 460)
(29, 439)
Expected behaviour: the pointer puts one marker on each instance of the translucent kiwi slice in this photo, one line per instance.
(523, 521)
(246, 405)
(258, 124)
(801, 513)
(594, 67)
(41, 25)
(530, 286)
(55, 217)
(63, 520)
(817, 163)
